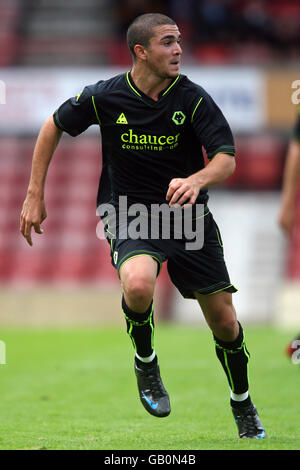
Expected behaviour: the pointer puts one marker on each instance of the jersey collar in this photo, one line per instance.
(145, 97)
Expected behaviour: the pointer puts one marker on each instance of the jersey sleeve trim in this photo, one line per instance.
(57, 121)
(195, 109)
(228, 149)
(96, 112)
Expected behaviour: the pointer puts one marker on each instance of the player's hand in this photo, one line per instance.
(183, 191)
(286, 219)
(32, 215)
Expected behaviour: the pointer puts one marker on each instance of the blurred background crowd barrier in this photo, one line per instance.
(245, 53)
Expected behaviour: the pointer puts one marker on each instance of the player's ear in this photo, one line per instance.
(140, 52)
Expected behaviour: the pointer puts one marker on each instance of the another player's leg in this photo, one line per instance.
(138, 276)
(231, 350)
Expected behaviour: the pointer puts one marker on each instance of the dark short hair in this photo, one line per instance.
(140, 30)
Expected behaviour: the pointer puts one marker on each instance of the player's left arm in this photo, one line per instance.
(214, 133)
(182, 190)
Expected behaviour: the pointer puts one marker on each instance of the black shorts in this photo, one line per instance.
(202, 270)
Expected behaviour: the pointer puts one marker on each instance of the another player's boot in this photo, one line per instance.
(248, 422)
(153, 394)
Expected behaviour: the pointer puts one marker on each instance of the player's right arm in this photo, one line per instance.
(34, 210)
(291, 177)
(74, 116)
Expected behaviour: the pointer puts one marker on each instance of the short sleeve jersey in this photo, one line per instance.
(146, 143)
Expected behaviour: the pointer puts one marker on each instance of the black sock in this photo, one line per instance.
(240, 404)
(140, 327)
(146, 365)
(234, 358)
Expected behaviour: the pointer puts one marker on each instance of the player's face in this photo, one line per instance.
(164, 52)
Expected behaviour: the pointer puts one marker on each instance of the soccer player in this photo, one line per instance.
(287, 210)
(154, 122)
(291, 176)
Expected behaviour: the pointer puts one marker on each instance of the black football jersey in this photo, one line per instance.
(146, 143)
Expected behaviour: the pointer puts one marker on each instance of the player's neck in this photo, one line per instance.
(150, 84)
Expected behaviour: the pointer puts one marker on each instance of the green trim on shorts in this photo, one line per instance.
(190, 293)
(224, 288)
(201, 216)
(113, 237)
(142, 253)
(218, 284)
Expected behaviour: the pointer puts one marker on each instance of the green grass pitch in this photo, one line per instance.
(76, 389)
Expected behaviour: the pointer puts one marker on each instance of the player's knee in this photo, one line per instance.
(138, 289)
(228, 325)
(224, 323)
